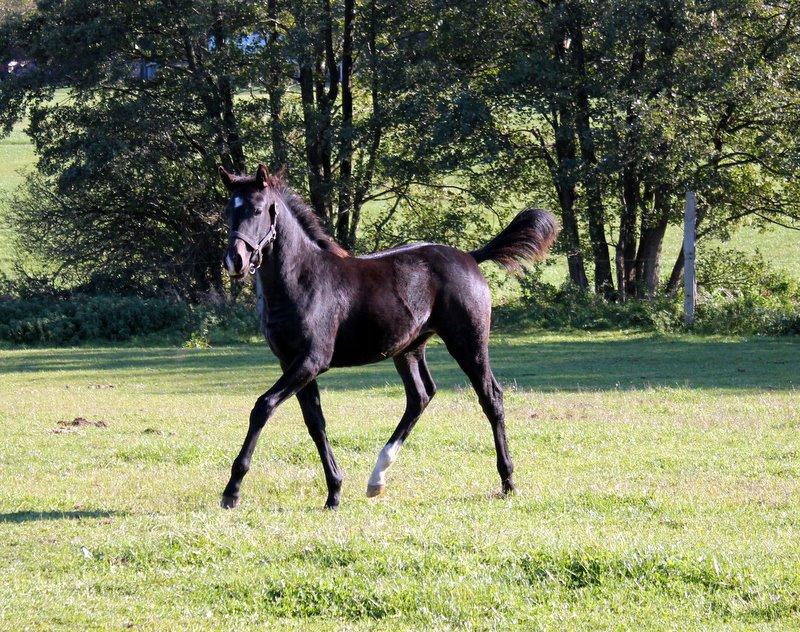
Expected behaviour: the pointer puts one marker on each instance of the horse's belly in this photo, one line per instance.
(367, 342)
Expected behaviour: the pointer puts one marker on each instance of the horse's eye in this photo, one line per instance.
(257, 210)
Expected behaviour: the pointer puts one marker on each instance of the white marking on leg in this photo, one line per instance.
(386, 457)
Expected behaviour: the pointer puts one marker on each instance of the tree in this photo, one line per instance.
(10, 8)
(625, 105)
(403, 122)
(127, 195)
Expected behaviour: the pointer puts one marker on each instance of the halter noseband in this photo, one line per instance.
(258, 244)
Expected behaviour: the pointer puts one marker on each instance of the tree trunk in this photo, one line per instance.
(565, 185)
(603, 282)
(676, 275)
(225, 90)
(313, 161)
(232, 138)
(208, 92)
(323, 133)
(654, 224)
(366, 176)
(575, 263)
(626, 249)
(652, 236)
(345, 216)
(276, 91)
(563, 170)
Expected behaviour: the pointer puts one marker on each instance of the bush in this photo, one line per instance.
(746, 314)
(744, 274)
(739, 293)
(568, 307)
(117, 319)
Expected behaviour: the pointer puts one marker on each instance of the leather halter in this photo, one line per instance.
(258, 245)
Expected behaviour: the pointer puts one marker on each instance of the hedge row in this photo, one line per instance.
(119, 318)
(115, 318)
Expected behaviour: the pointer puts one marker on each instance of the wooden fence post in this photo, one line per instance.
(689, 257)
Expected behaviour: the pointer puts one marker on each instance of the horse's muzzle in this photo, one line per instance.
(237, 259)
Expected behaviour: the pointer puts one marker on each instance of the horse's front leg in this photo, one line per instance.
(299, 373)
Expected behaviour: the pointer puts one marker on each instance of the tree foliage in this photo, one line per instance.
(126, 193)
(402, 122)
(614, 109)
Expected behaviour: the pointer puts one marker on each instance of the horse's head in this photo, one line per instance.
(251, 217)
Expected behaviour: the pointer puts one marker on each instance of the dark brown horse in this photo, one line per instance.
(322, 308)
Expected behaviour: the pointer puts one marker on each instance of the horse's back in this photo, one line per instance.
(404, 295)
(425, 272)
(405, 248)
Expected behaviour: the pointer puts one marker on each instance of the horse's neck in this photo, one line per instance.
(290, 255)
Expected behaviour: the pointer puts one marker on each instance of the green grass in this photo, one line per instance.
(658, 488)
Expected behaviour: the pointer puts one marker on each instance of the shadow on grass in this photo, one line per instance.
(40, 516)
(570, 365)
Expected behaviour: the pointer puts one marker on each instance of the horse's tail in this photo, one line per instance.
(527, 238)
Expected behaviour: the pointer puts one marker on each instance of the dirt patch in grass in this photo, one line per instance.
(64, 426)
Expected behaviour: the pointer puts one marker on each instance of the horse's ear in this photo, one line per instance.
(226, 177)
(262, 175)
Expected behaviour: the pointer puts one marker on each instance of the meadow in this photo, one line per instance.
(657, 489)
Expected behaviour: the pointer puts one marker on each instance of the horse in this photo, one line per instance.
(321, 307)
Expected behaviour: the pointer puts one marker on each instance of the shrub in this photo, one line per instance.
(739, 293)
(568, 307)
(744, 274)
(746, 314)
(117, 319)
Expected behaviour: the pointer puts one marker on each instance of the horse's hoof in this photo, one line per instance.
(229, 502)
(331, 506)
(508, 488)
(375, 490)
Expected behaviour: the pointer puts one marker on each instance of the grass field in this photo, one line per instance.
(658, 488)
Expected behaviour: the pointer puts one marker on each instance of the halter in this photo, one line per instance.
(258, 244)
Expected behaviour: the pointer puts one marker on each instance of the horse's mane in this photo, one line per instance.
(309, 221)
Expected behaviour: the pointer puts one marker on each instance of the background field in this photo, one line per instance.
(658, 487)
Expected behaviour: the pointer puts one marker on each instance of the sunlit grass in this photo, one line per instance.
(658, 487)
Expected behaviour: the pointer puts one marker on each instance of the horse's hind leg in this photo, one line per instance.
(470, 349)
(308, 398)
(420, 388)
